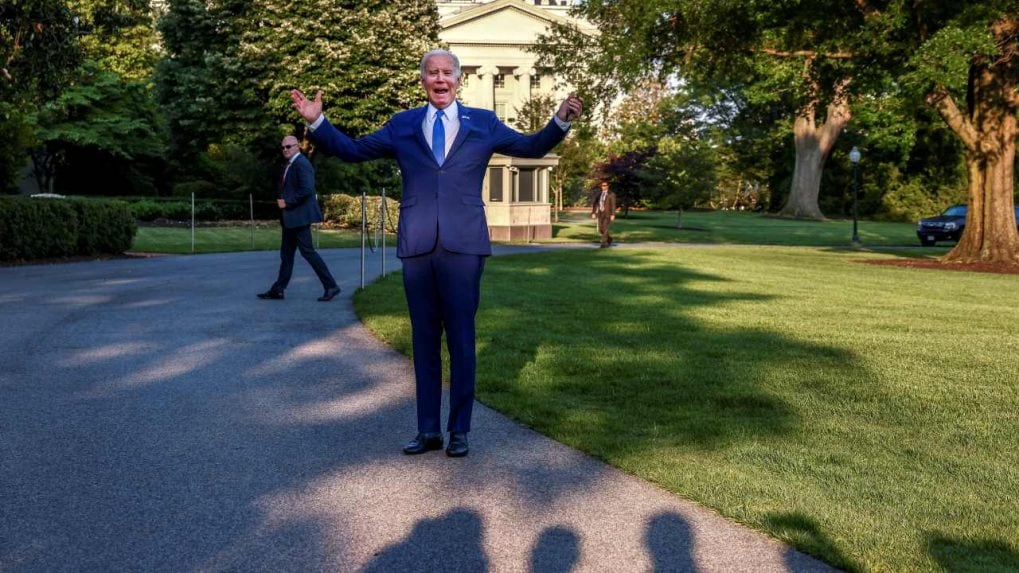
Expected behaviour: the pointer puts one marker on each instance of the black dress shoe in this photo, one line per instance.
(330, 294)
(457, 447)
(423, 443)
(271, 294)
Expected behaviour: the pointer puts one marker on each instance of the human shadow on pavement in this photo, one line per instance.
(670, 541)
(451, 542)
(973, 555)
(556, 551)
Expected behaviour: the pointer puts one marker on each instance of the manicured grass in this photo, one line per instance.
(866, 414)
(715, 227)
(734, 227)
(177, 240)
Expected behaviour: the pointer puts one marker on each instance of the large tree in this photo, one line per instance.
(38, 51)
(230, 64)
(963, 57)
(804, 54)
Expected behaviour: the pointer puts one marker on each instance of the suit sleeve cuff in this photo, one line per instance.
(314, 125)
(563, 125)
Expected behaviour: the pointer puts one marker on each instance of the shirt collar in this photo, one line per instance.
(293, 159)
(450, 111)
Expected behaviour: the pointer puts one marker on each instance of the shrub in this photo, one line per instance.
(199, 188)
(345, 211)
(43, 228)
(910, 201)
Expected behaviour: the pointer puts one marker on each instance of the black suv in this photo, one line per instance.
(947, 226)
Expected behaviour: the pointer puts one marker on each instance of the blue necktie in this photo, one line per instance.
(439, 138)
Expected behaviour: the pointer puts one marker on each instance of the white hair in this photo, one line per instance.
(447, 53)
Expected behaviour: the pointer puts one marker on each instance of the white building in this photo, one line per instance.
(491, 37)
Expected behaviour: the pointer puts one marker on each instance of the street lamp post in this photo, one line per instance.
(854, 158)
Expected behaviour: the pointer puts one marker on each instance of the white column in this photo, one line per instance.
(523, 92)
(487, 75)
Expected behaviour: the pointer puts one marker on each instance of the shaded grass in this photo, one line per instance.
(717, 227)
(734, 227)
(177, 240)
(865, 414)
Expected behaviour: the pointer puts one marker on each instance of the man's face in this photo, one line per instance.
(440, 81)
(604, 187)
(289, 146)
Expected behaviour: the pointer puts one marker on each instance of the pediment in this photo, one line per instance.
(502, 21)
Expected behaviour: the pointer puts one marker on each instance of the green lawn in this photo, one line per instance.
(868, 415)
(733, 227)
(177, 240)
(698, 227)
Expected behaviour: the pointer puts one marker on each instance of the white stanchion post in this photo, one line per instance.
(364, 231)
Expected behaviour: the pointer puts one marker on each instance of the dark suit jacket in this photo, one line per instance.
(299, 193)
(441, 203)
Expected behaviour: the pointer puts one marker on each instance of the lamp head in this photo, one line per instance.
(854, 155)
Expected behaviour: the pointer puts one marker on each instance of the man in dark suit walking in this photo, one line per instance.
(603, 208)
(443, 150)
(298, 210)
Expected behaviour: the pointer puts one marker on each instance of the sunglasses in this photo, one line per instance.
(286, 147)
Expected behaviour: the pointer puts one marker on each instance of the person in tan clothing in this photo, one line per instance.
(603, 208)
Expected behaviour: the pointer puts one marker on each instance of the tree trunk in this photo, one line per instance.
(813, 144)
(988, 131)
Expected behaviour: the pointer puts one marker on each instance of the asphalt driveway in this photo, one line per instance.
(156, 416)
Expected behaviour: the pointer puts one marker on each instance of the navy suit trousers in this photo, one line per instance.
(443, 292)
(300, 238)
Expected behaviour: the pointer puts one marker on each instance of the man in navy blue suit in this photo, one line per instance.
(298, 210)
(443, 150)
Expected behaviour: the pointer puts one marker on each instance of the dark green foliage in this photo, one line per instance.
(107, 135)
(38, 51)
(345, 211)
(335, 176)
(17, 130)
(43, 228)
(230, 65)
(103, 227)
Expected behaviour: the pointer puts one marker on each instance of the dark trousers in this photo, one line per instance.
(603, 228)
(300, 238)
(443, 292)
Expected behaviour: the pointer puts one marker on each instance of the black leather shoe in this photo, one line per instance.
(330, 294)
(423, 443)
(271, 294)
(457, 447)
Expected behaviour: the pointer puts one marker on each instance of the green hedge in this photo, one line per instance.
(35, 228)
(345, 211)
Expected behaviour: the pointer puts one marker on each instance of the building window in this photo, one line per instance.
(536, 81)
(525, 192)
(499, 80)
(500, 112)
(495, 184)
(464, 77)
